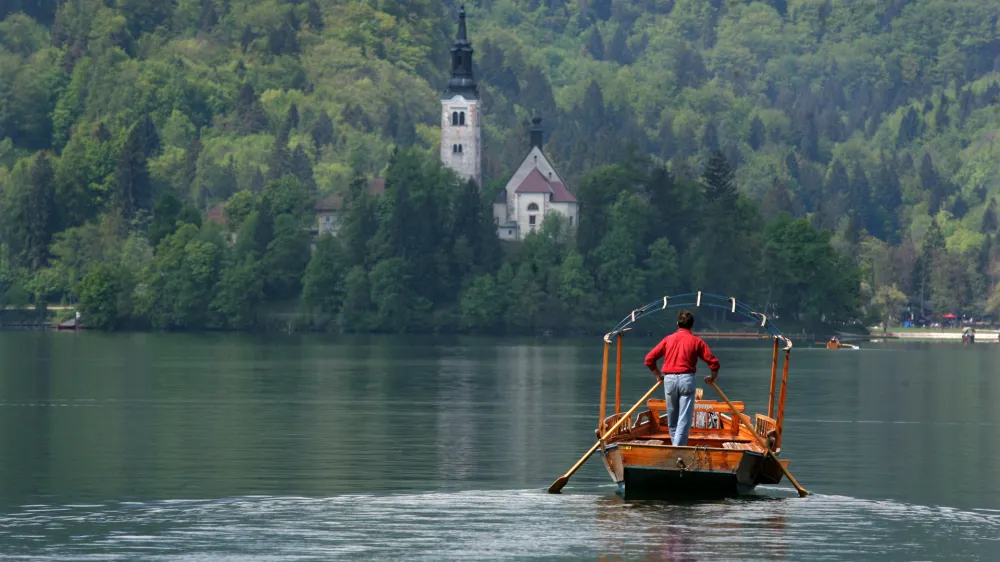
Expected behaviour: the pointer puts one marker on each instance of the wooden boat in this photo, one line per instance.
(723, 458)
(839, 345)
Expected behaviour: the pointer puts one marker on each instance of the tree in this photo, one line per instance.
(314, 17)
(718, 181)
(240, 292)
(757, 133)
(710, 138)
(989, 224)
(355, 314)
(286, 259)
(618, 50)
(280, 163)
(323, 284)
(100, 293)
(889, 300)
(595, 44)
(133, 189)
(662, 265)
(249, 115)
(322, 130)
(481, 305)
(38, 214)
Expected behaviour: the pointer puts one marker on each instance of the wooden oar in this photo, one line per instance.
(562, 480)
(760, 440)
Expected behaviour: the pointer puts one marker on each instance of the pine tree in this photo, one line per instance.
(133, 191)
(314, 17)
(247, 38)
(209, 18)
(191, 155)
(38, 212)
(809, 147)
(859, 196)
(718, 181)
(303, 170)
(595, 44)
(618, 50)
(322, 130)
(710, 138)
(291, 118)
(990, 224)
(250, 116)
(909, 128)
(757, 134)
(931, 183)
(792, 165)
(280, 162)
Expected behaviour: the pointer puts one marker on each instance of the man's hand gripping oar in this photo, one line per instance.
(760, 440)
(562, 480)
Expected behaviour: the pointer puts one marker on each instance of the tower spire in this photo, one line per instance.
(462, 36)
(462, 81)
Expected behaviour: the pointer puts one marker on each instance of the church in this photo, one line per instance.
(534, 190)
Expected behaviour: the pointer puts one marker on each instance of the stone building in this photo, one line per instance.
(461, 146)
(534, 190)
(330, 211)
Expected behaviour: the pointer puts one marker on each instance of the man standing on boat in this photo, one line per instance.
(680, 352)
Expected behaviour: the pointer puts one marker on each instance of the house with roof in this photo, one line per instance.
(534, 190)
(330, 211)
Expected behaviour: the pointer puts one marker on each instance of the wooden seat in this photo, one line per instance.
(657, 405)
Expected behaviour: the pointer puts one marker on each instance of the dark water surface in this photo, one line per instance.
(197, 447)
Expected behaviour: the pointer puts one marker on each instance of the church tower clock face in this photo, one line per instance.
(460, 132)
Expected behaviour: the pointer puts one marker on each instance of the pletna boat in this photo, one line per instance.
(723, 457)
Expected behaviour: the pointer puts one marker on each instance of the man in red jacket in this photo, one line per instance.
(680, 352)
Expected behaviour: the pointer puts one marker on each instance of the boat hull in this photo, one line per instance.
(652, 471)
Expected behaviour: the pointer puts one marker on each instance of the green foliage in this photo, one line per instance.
(323, 284)
(119, 119)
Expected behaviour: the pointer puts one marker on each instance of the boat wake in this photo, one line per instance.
(511, 524)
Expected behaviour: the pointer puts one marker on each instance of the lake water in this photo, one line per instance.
(198, 447)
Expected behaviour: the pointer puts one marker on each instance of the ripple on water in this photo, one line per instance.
(504, 525)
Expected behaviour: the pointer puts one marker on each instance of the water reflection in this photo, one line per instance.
(137, 444)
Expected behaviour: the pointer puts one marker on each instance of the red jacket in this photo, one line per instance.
(680, 352)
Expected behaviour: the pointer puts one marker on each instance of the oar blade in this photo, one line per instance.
(557, 486)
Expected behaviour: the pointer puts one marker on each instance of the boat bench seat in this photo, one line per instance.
(658, 405)
(723, 441)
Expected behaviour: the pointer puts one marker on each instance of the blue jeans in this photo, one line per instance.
(680, 404)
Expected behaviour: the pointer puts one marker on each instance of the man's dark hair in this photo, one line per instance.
(685, 319)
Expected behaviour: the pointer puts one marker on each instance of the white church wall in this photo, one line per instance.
(534, 160)
(524, 215)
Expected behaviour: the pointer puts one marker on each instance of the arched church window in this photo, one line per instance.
(454, 118)
(533, 207)
(454, 148)
(461, 118)
(459, 149)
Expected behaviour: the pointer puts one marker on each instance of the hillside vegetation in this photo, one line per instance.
(823, 159)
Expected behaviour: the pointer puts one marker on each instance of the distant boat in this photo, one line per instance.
(724, 457)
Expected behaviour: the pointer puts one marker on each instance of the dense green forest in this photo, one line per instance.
(826, 160)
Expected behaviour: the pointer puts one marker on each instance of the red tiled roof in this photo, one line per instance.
(216, 214)
(336, 201)
(562, 194)
(535, 182)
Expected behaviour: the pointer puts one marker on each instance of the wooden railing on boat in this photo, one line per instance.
(764, 425)
(709, 415)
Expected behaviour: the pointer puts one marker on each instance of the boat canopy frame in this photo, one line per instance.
(698, 300)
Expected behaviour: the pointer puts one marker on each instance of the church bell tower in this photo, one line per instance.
(460, 133)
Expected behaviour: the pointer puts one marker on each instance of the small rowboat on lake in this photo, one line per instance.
(724, 457)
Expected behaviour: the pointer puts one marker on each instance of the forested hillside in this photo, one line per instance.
(823, 159)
